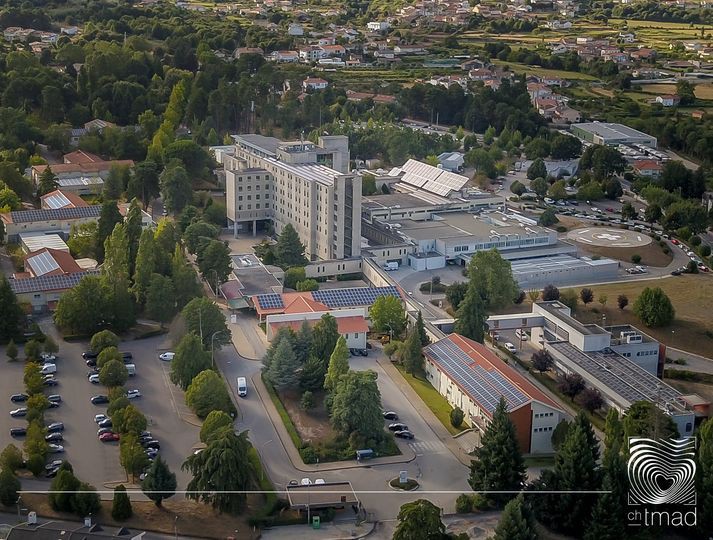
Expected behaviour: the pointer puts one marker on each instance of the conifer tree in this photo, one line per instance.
(516, 522)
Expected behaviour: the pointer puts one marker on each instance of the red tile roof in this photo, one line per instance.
(80, 156)
(75, 200)
(345, 325)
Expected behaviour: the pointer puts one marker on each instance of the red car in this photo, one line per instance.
(674, 241)
(109, 437)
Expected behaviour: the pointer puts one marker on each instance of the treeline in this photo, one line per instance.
(656, 11)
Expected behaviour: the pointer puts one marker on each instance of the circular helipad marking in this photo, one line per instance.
(608, 237)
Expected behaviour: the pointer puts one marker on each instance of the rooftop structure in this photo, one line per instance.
(58, 199)
(562, 269)
(612, 134)
(48, 283)
(34, 242)
(50, 262)
(473, 378)
(430, 178)
(55, 214)
(329, 494)
(254, 277)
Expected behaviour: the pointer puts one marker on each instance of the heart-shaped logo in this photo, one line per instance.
(662, 472)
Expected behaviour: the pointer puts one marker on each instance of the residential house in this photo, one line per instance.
(295, 29)
(698, 114)
(42, 294)
(409, 49)
(556, 24)
(98, 125)
(538, 90)
(378, 26)
(668, 100)
(567, 114)
(248, 50)
(48, 262)
(643, 54)
(626, 37)
(314, 83)
(60, 199)
(82, 178)
(285, 57)
(59, 220)
(648, 167)
(80, 156)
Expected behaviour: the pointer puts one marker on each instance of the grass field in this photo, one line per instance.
(651, 254)
(702, 91)
(691, 296)
(534, 70)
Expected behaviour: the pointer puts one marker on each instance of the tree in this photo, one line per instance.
(686, 92)
(221, 471)
(565, 147)
(547, 218)
(622, 301)
(587, 295)
(190, 359)
(103, 340)
(9, 486)
(557, 191)
(307, 285)
(86, 501)
(214, 262)
(644, 419)
(591, 191)
(208, 393)
(498, 464)
(560, 434)
(307, 400)
(110, 354)
(419, 519)
(516, 522)
(9, 200)
(214, 424)
(62, 488)
(590, 399)
(654, 308)
(457, 416)
(113, 374)
(540, 186)
(12, 314)
(603, 299)
(653, 213)
(47, 182)
(108, 219)
(204, 318)
(83, 239)
(129, 420)
(491, 275)
(289, 250)
(161, 299)
(608, 520)
(11, 458)
(518, 188)
(132, 456)
(542, 360)
(32, 378)
(115, 182)
(283, 371)
(198, 234)
(537, 170)
(175, 187)
(50, 345)
(356, 406)
(470, 317)
(312, 375)
(159, 483)
(293, 276)
(570, 384)
(689, 214)
(11, 351)
(144, 183)
(412, 353)
(550, 293)
(121, 504)
(324, 338)
(613, 189)
(455, 293)
(33, 350)
(387, 315)
(628, 211)
(338, 364)
(184, 279)
(603, 161)
(704, 478)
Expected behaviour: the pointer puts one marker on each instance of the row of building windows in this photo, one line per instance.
(541, 429)
(543, 414)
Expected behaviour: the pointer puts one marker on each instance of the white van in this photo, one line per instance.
(48, 368)
(242, 386)
(521, 334)
(131, 369)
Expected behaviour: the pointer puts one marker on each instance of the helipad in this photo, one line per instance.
(609, 237)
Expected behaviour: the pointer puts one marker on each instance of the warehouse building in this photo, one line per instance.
(562, 269)
(301, 183)
(609, 134)
(621, 362)
(470, 376)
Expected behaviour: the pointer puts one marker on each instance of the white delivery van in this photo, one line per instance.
(48, 368)
(131, 368)
(242, 386)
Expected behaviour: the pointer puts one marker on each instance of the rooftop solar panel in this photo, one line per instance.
(42, 263)
(28, 216)
(270, 301)
(57, 200)
(355, 296)
(49, 283)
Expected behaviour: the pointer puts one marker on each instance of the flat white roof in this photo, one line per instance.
(36, 242)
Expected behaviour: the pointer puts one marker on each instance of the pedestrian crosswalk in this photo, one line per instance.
(426, 447)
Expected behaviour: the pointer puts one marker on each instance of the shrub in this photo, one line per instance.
(457, 417)
(307, 401)
(36, 464)
(464, 504)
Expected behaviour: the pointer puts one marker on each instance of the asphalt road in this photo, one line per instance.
(93, 461)
(437, 469)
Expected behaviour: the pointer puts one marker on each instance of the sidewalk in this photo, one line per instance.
(294, 454)
(328, 531)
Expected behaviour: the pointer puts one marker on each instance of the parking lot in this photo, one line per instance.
(93, 461)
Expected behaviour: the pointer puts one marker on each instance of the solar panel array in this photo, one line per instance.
(42, 263)
(484, 386)
(49, 283)
(28, 216)
(270, 301)
(433, 179)
(355, 296)
(57, 200)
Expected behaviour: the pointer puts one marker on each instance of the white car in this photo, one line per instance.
(48, 358)
(55, 448)
(167, 356)
(133, 394)
(100, 417)
(510, 347)
(94, 379)
(319, 481)
(306, 482)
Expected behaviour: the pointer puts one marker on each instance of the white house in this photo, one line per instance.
(314, 83)
(378, 26)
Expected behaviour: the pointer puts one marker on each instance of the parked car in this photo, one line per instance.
(48, 369)
(54, 404)
(51, 473)
(521, 334)
(99, 400)
(54, 397)
(18, 432)
(55, 426)
(151, 452)
(87, 355)
(17, 413)
(404, 434)
(306, 482)
(167, 356)
(397, 426)
(102, 431)
(133, 394)
(92, 371)
(99, 417)
(676, 273)
(55, 448)
(153, 443)
(49, 358)
(319, 481)
(109, 436)
(94, 379)
(50, 381)
(19, 398)
(510, 347)
(106, 423)
(54, 437)
(53, 464)
(293, 483)
(390, 415)
(92, 362)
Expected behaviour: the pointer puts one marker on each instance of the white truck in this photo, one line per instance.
(390, 266)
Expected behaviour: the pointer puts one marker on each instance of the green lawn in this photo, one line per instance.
(535, 70)
(430, 396)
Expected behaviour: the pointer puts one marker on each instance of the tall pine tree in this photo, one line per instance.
(471, 315)
(338, 364)
(412, 352)
(516, 522)
(498, 464)
(10, 312)
(421, 328)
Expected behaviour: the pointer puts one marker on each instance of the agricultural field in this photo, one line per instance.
(702, 91)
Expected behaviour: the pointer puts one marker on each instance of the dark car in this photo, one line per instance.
(18, 398)
(18, 432)
(146, 434)
(403, 434)
(54, 397)
(17, 413)
(390, 415)
(51, 473)
(398, 426)
(364, 352)
(127, 356)
(54, 437)
(676, 273)
(153, 443)
(106, 423)
(55, 426)
(54, 404)
(92, 362)
(87, 355)
(99, 400)
(50, 382)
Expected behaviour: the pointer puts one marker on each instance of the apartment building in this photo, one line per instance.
(301, 183)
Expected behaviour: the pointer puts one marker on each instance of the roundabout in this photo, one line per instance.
(609, 237)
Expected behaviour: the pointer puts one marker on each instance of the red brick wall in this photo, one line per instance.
(522, 418)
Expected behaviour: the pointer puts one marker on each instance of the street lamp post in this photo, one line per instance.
(214, 271)
(212, 343)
